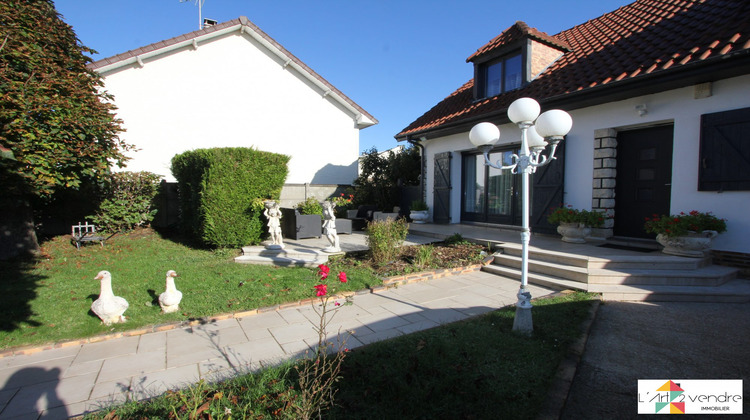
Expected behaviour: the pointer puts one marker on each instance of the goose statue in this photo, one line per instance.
(170, 299)
(108, 307)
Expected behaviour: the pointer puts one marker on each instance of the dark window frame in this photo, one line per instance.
(483, 73)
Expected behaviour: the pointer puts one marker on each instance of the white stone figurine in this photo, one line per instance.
(170, 299)
(108, 307)
(329, 227)
(273, 213)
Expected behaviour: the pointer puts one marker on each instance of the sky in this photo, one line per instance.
(394, 58)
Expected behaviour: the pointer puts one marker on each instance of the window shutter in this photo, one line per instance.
(725, 151)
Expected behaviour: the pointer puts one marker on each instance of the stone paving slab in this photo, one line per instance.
(79, 378)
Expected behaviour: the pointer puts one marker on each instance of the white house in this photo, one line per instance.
(231, 85)
(659, 93)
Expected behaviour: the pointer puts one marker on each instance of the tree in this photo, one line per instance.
(54, 116)
(57, 127)
(381, 175)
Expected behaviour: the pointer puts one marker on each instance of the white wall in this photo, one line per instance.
(231, 92)
(676, 106)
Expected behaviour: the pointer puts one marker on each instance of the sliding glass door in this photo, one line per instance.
(490, 195)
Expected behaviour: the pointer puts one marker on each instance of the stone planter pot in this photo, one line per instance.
(693, 244)
(574, 232)
(418, 216)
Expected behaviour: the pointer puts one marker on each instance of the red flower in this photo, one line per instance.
(323, 271)
(342, 277)
(321, 289)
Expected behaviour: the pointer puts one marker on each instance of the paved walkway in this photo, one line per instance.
(69, 381)
(661, 340)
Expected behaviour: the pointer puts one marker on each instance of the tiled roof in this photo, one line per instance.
(636, 42)
(515, 33)
(241, 22)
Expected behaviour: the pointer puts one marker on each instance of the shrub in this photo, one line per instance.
(381, 174)
(425, 256)
(418, 205)
(221, 192)
(128, 201)
(384, 238)
(343, 203)
(681, 224)
(310, 206)
(567, 214)
(456, 239)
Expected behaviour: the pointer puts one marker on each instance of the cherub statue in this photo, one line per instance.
(273, 213)
(329, 227)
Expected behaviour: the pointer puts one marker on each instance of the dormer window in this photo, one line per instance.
(513, 59)
(502, 75)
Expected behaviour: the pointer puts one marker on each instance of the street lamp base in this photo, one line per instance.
(522, 323)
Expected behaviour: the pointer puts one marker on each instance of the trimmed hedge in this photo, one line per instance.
(221, 192)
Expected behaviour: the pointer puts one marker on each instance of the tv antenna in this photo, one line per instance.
(198, 3)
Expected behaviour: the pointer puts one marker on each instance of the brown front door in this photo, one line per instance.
(644, 178)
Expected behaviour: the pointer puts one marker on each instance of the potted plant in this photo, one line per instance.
(343, 204)
(574, 224)
(687, 235)
(418, 211)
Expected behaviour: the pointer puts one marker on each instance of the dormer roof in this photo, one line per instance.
(518, 33)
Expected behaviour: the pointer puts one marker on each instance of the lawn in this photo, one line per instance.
(472, 369)
(49, 299)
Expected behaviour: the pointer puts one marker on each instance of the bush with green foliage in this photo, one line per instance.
(418, 205)
(221, 192)
(385, 237)
(55, 118)
(681, 224)
(567, 214)
(127, 201)
(381, 176)
(310, 206)
(456, 239)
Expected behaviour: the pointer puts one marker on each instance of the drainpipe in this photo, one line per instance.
(422, 166)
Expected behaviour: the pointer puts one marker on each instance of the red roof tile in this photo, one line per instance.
(641, 39)
(517, 32)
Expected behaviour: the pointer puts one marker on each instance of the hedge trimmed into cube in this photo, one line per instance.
(221, 192)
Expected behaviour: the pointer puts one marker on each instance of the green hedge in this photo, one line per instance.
(221, 192)
(128, 201)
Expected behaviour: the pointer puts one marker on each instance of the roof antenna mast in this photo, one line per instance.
(198, 3)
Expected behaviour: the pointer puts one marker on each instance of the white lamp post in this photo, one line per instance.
(536, 133)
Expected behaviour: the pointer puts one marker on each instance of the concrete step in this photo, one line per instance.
(705, 276)
(712, 275)
(735, 291)
(536, 278)
(654, 261)
(288, 257)
(563, 271)
(538, 254)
